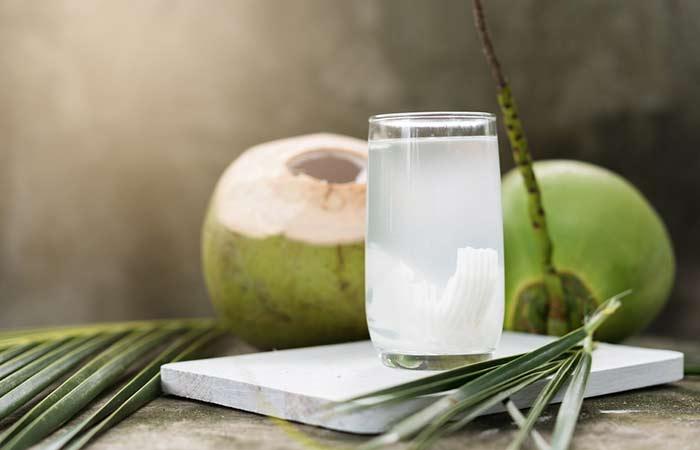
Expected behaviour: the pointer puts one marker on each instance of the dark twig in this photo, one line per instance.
(556, 316)
(486, 45)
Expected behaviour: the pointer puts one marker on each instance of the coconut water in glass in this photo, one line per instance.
(434, 247)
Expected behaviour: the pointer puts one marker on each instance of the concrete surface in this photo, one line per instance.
(654, 418)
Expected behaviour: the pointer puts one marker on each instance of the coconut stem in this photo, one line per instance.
(556, 315)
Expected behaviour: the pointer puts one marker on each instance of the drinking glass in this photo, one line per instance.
(434, 246)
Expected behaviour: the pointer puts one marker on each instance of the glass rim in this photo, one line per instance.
(433, 115)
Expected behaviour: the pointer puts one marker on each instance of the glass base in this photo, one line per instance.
(431, 362)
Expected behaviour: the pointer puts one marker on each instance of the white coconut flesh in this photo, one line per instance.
(308, 188)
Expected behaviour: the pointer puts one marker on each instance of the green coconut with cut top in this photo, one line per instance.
(283, 242)
(607, 238)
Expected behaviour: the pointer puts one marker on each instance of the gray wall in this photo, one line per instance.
(117, 117)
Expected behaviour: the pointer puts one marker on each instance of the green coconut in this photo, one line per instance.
(283, 242)
(607, 239)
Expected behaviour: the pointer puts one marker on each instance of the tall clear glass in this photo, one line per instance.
(434, 248)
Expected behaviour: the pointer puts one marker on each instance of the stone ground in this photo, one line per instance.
(654, 418)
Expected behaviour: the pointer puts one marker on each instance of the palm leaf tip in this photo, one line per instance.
(605, 310)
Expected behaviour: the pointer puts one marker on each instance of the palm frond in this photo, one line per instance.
(573, 398)
(436, 381)
(34, 335)
(440, 382)
(484, 385)
(472, 408)
(520, 420)
(23, 384)
(543, 399)
(33, 360)
(9, 353)
(27, 357)
(147, 392)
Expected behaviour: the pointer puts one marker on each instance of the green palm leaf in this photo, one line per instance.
(55, 366)
(473, 407)
(520, 420)
(439, 382)
(25, 358)
(21, 337)
(543, 399)
(86, 385)
(11, 352)
(145, 394)
(487, 386)
(31, 360)
(138, 381)
(573, 398)
(19, 375)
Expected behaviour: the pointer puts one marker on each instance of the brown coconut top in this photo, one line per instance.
(308, 188)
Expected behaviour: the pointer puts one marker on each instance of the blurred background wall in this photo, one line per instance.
(117, 117)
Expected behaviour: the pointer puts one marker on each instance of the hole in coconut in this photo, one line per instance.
(333, 166)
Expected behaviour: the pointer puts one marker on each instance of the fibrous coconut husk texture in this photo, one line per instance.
(283, 242)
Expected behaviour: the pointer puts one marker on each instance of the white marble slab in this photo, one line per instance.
(296, 384)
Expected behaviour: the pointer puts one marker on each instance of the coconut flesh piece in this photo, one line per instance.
(309, 188)
(430, 318)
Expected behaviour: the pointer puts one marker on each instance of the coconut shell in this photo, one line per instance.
(283, 250)
(607, 239)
